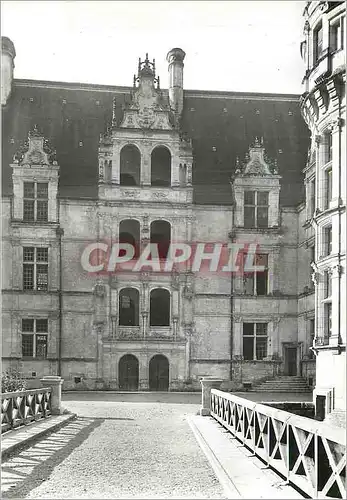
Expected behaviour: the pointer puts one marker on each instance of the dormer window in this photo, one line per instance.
(35, 202)
(256, 209)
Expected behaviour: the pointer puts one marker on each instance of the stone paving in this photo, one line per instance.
(115, 450)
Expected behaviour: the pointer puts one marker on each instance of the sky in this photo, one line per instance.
(240, 46)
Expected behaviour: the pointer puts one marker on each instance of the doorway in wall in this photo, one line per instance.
(128, 371)
(159, 373)
(290, 361)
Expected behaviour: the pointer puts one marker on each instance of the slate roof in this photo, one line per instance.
(221, 126)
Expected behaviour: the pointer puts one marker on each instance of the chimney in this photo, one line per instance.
(8, 53)
(175, 59)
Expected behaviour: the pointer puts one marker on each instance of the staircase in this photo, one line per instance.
(283, 384)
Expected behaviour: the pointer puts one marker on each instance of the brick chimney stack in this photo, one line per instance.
(175, 59)
(8, 53)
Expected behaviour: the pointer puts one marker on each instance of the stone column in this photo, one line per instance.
(55, 383)
(207, 384)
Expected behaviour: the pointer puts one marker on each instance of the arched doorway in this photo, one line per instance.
(159, 373)
(128, 373)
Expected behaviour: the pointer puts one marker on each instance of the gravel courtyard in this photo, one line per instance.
(115, 449)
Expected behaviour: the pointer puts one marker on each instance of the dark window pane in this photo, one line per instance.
(28, 254)
(263, 198)
(28, 276)
(27, 325)
(261, 259)
(262, 217)
(248, 328)
(29, 190)
(42, 190)
(160, 307)
(42, 277)
(261, 329)
(42, 211)
(27, 345)
(41, 346)
(42, 325)
(28, 210)
(261, 348)
(262, 283)
(249, 197)
(248, 348)
(249, 217)
(42, 254)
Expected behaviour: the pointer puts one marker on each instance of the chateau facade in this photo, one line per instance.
(324, 110)
(89, 164)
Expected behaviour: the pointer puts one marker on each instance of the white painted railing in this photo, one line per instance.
(309, 454)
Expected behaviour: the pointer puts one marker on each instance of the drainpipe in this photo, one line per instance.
(60, 233)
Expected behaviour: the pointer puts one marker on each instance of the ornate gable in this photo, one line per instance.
(147, 110)
(257, 163)
(35, 151)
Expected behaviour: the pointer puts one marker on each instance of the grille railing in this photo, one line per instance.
(22, 407)
(309, 454)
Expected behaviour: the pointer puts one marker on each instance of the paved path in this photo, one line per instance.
(115, 450)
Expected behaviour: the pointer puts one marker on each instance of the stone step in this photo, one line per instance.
(281, 390)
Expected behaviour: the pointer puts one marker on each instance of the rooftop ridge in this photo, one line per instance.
(126, 89)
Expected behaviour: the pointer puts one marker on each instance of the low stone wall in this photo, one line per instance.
(308, 371)
(253, 372)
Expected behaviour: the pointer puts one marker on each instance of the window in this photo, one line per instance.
(161, 167)
(327, 320)
(159, 307)
(35, 268)
(318, 42)
(160, 235)
(256, 209)
(328, 242)
(328, 146)
(312, 206)
(328, 187)
(312, 259)
(254, 341)
(327, 284)
(34, 338)
(256, 282)
(337, 34)
(129, 232)
(129, 307)
(130, 166)
(35, 201)
(312, 327)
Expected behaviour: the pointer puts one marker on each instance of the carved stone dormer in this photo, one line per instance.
(148, 110)
(35, 174)
(256, 187)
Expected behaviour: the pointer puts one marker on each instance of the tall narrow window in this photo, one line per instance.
(254, 341)
(130, 166)
(318, 42)
(328, 146)
(312, 335)
(327, 240)
(327, 285)
(256, 209)
(35, 268)
(160, 235)
(161, 167)
(328, 187)
(328, 319)
(312, 207)
(35, 201)
(129, 307)
(337, 34)
(256, 282)
(34, 338)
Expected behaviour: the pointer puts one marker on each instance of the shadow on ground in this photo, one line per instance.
(32, 466)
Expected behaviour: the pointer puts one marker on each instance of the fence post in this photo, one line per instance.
(55, 383)
(208, 383)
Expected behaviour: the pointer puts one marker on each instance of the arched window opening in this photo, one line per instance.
(161, 167)
(130, 166)
(129, 307)
(129, 232)
(159, 307)
(128, 373)
(161, 236)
